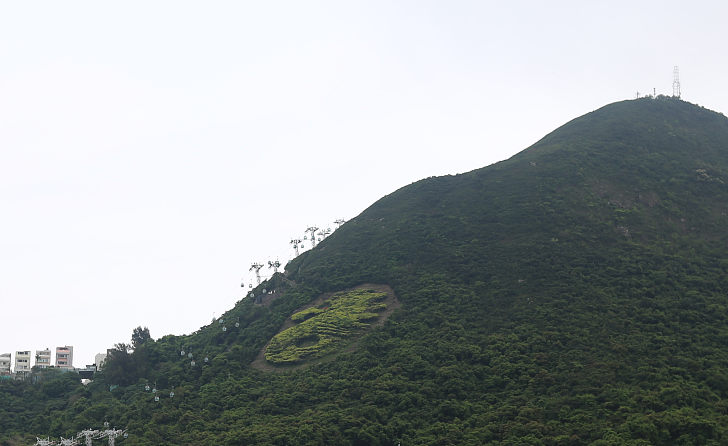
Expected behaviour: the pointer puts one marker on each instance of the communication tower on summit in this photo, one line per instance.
(676, 82)
(256, 267)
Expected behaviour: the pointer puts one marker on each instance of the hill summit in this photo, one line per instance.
(575, 293)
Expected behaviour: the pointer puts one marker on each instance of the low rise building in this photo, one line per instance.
(88, 372)
(5, 363)
(22, 361)
(43, 358)
(99, 360)
(64, 357)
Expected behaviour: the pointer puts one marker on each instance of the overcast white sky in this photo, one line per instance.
(151, 151)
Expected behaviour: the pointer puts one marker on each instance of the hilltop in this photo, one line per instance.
(575, 293)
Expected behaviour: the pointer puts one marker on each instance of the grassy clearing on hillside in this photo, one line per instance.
(320, 330)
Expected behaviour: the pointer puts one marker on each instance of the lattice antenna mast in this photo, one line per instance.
(676, 82)
(313, 230)
(295, 242)
(275, 265)
(256, 267)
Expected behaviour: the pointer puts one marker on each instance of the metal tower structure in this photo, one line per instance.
(112, 434)
(312, 230)
(256, 267)
(324, 233)
(339, 222)
(676, 82)
(295, 242)
(87, 436)
(275, 265)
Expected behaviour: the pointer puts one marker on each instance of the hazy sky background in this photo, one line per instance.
(151, 151)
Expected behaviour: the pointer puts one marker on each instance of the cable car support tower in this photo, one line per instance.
(312, 230)
(256, 267)
(295, 242)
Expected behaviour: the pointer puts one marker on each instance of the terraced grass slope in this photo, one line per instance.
(322, 329)
(576, 293)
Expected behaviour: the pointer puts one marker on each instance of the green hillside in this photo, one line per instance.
(576, 293)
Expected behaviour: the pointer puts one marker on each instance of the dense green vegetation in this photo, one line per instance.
(32, 405)
(576, 293)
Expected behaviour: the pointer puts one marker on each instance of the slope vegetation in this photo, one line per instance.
(576, 293)
(328, 325)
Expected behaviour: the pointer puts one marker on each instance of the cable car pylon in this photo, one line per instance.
(256, 266)
(312, 230)
(295, 242)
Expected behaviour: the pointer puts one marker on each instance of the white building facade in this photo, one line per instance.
(99, 360)
(22, 361)
(43, 358)
(5, 363)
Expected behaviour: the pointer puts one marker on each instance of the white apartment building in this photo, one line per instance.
(64, 357)
(43, 358)
(99, 360)
(22, 361)
(5, 363)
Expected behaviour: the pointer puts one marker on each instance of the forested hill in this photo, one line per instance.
(573, 294)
